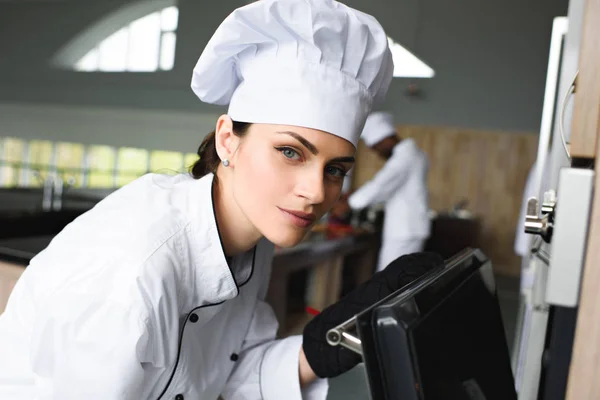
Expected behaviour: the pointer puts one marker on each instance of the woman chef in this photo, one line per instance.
(158, 291)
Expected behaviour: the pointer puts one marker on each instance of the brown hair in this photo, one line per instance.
(209, 159)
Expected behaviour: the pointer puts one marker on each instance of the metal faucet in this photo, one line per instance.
(48, 193)
(53, 190)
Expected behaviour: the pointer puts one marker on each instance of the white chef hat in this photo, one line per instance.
(379, 125)
(313, 63)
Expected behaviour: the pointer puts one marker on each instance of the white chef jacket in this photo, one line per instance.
(135, 300)
(402, 185)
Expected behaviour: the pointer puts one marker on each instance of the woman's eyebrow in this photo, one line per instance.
(344, 159)
(311, 147)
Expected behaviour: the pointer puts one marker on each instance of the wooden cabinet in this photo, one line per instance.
(586, 111)
(585, 363)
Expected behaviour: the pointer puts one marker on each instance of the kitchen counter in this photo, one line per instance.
(328, 260)
(21, 250)
(27, 223)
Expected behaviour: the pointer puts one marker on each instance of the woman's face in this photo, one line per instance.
(288, 177)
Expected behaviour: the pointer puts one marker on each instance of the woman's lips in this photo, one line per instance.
(299, 218)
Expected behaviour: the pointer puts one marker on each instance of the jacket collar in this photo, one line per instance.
(213, 277)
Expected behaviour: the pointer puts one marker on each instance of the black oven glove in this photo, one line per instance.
(329, 361)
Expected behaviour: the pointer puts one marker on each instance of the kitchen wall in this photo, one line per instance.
(490, 60)
(487, 168)
(151, 129)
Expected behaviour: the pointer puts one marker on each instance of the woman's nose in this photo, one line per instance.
(312, 188)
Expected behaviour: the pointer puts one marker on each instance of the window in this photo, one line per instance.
(12, 151)
(138, 37)
(166, 162)
(132, 163)
(40, 156)
(189, 159)
(145, 45)
(28, 163)
(406, 64)
(101, 163)
(69, 162)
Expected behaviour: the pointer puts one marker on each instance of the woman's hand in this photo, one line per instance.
(341, 208)
(307, 375)
(328, 361)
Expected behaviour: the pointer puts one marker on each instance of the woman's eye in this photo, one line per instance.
(335, 171)
(289, 153)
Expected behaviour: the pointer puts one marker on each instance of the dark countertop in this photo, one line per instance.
(22, 250)
(34, 223)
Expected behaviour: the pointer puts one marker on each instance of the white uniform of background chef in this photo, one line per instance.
(401, 185)
(158, 291)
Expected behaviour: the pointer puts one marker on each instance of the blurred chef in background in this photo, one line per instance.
(401, 186)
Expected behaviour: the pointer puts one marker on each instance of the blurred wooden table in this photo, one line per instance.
(328, 257)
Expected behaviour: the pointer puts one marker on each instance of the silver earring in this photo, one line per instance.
(226, 163)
